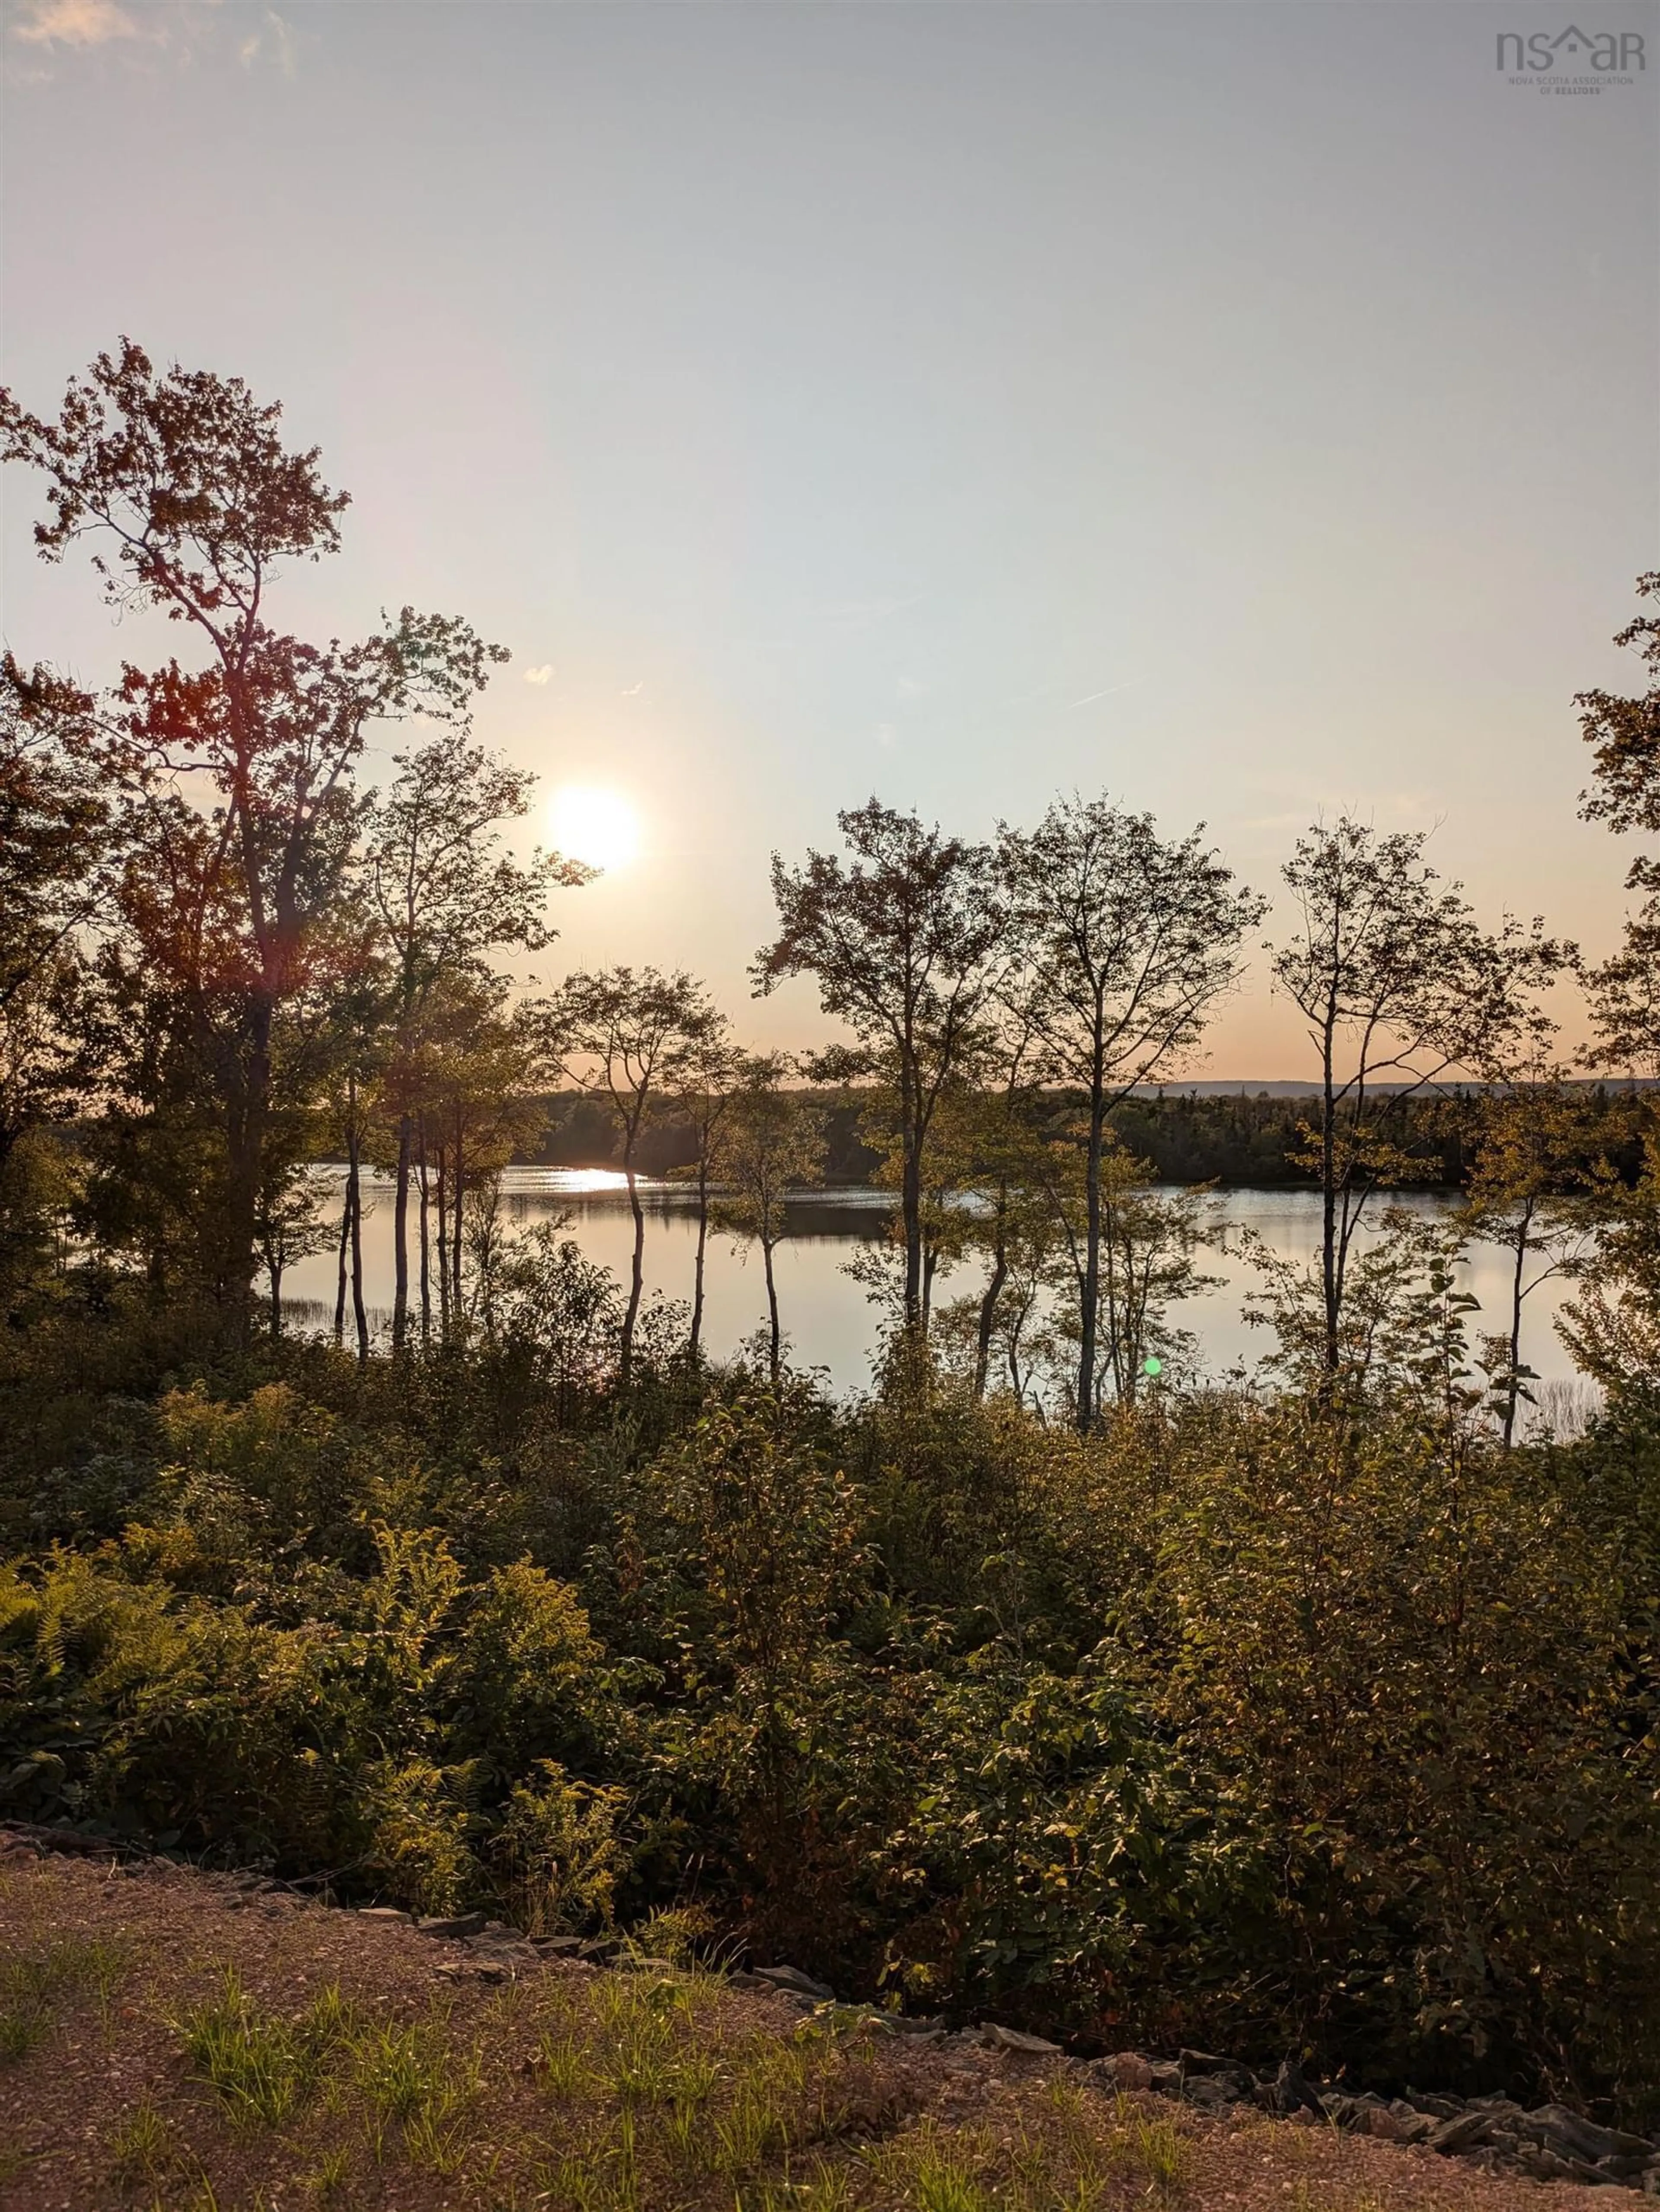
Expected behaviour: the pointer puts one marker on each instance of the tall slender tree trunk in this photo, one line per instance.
(637, 1276)
(989, 1297)
(244, 1132)
(400, 1239)
(1089, 1302)
(275, 1272)
(1114, 1302)
(695, 1342)
(354, 1187)
(340, 1264)
(426, 1250)
(441, 1207)
(910, 1192)
(1514, 1392)
(774, 1358)
(459, 1201)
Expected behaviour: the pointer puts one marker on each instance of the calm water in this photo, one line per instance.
(829, 1318)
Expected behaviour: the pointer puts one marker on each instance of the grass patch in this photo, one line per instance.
(35, 1986)
(412, 2075)
(1062, 2154)
(261, 2067)
(631, 2092)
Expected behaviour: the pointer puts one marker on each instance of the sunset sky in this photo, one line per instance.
(1246, 409)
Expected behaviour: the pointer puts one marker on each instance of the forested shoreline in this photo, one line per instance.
(1310, 1710)
(1249, 1136)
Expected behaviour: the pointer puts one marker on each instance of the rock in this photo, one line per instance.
(1392, 2127)
(1440, 2108)
(1571, 2133)
(1462, 2132)
(1206, 2062)
(1292, 2092)
(1541, 2164)
(1128, 2070)
(1623, 2168)
(1012, 2038)
(391, 1913)
(556, 1943)
(792, 1979)
(1211, 2092)
(456, 1925)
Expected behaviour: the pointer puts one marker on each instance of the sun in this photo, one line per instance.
(593, 824)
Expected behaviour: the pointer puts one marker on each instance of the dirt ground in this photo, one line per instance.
(354, 2064)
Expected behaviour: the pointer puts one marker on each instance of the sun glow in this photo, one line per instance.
(592, 824)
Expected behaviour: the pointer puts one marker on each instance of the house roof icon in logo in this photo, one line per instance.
(1574, 38)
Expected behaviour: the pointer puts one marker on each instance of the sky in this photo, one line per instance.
(1249, 410)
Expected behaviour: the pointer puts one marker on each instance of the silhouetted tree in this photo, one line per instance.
(903, 940)
(192, 504)
(631, 1034)
(1400, 989)
(446, 896)
(56, 845)
(1127, 940)
(771, 1144)
(705, 1085)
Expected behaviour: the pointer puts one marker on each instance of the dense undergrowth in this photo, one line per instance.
(1242, 1722)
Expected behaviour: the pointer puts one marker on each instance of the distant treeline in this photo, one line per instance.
(1248, 1137)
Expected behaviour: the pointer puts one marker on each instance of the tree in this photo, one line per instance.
(446, 896)
(904, 941)
(1613, 1325)
(1534, 1143)
(705, 1086)
(631, 1034)
(772, 1144)
(476, 1112)
(182, 485)
(289, 1230)
(1624, 734)
(1126, 941)
(1400, 989)
(57, 836)
(1148, 1247)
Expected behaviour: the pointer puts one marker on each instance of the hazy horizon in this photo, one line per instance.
(1246, 409)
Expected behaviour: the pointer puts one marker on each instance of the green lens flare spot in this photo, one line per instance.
(1150, 1366)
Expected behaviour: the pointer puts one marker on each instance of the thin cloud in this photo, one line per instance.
(75, 23)
(542, 675)
(908, 688)
(633, 691)
(273, 41)
(1091, 697)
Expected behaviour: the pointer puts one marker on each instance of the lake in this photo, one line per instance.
(828, 1316)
